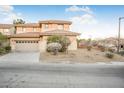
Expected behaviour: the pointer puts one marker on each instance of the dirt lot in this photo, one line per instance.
(81, 56)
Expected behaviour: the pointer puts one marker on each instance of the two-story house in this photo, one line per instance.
(33, 36)
(5, 29)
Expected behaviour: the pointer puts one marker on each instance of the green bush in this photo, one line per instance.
(102, 48)
(111, 50)
(3, 39)
(52, 39)
(2, 51)
(8, 48)
(109, 55)
(63, 40)
(89, 48)
(121, 53)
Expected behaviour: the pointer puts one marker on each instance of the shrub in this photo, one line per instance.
(64, 41)
(121, 53)
(102, 48)
(109, 55)
(52, 39)
(8, 48)
(3, 38)
(111, 50)
(54, 47)
(2, 51)
(89, 48)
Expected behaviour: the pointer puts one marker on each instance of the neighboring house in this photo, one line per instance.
(33, 36)
(5, 29)
(112, 42)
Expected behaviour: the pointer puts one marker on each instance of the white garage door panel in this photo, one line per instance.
(27, 47)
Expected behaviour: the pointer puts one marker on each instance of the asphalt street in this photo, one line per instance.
(37, 75)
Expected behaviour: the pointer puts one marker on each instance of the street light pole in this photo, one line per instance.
(118, 46)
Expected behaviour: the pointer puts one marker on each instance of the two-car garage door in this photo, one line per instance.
(26, 46)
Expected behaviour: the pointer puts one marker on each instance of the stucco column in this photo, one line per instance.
(43, 44)
(73, 45)
(12, 44)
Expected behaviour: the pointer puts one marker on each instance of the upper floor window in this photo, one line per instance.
(46, 26)
(23, 29)
(34, 29)
(60, 26)
(6, 30)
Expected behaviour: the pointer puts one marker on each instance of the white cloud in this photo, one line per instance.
(88, 25)
(7, 14)
(6, 8)
(75, 8)
(101, 30)
(84, 19)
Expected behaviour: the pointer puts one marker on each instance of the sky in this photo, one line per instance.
(92, 21)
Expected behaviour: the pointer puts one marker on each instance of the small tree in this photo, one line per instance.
(63, 40)
(52, 39)
(3, 39)
(89, 47)
(109, 55)
(18, 21)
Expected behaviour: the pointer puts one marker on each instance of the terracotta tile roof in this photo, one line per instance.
(56, 21)
(46, 33)
(7, 26)
(28, 25)
(28, 34)
(60, 32)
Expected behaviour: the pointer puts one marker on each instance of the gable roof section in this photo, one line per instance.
(46, 33)
(59, 32)
(6, 26)
(56, 21)
(27, 25)
(28, 34)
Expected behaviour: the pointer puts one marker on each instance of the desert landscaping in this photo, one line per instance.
(80, 56)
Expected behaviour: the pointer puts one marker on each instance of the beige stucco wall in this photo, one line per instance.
(19, 30)
(5, 31)
(66, 27)
(27, 29)
(42, 42)
(54, 26)
(41, 28)
(73, 45)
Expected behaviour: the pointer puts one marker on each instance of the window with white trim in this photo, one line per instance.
(46, 26)
(34, 29)
(60, 26)
(23, 29)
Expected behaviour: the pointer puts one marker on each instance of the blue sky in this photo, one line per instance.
(91, 21)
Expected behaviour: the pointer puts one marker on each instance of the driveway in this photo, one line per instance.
(20, 57)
